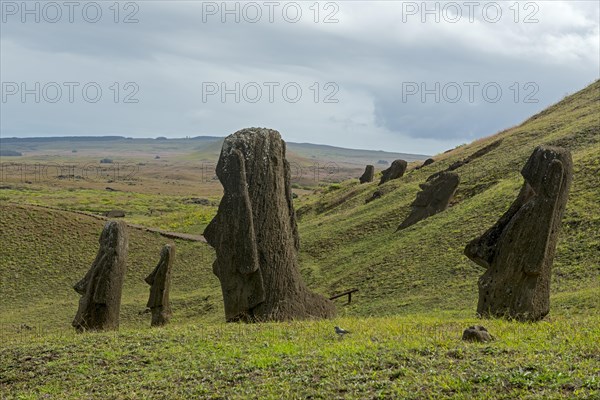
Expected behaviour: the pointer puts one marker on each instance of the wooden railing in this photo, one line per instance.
(347, 292)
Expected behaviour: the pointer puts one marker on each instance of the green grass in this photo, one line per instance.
(417, 291)
(395, 357)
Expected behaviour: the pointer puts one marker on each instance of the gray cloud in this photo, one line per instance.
(370, 54)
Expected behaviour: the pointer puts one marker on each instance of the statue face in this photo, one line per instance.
(423, 196)
(231, 171)
(165, 252)
(110, 235)
(537, 169)
(435, 192)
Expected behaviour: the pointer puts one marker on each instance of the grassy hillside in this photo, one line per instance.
(45, 252)
(352, 244)
(417, 292)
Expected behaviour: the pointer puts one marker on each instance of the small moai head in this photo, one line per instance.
(110, 236)
(438, 192)
(368, 175)
(546, 170)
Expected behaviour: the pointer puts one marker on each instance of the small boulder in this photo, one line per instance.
(477, 333)
(115, 214)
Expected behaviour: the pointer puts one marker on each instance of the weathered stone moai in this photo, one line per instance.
(518, 250)
(101, 287)
(427, 162)
(376, 195)
(395, 171)
(434, 197)
(368, 175)
(255, 234)
(160, 285)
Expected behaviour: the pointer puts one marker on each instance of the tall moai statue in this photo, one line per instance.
(255, 234)
(101, 287)
(518, 250)
(160, 285)
(368, 175)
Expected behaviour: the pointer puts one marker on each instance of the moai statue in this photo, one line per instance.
(518, 250)
(368, 175)
(434, 197)
(101, 287)
(255, 235)
(427, 162)
(160, 285)
(395, 171)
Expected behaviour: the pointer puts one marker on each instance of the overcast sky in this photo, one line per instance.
(377, 75)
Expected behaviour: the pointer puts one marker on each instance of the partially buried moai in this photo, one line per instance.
(434, 197)
(368, 175)
(160, 285)
(101, 287)
(518, 250)
(395, 171)
(255, 235)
